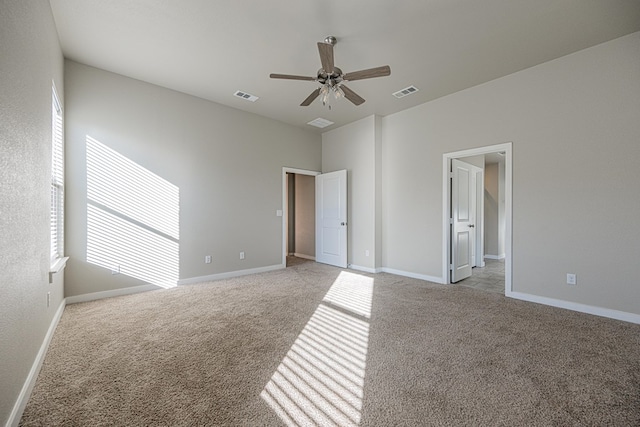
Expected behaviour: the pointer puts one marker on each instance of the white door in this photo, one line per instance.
(479, 218)
(472, 216)
(462, 226)
(331, 218)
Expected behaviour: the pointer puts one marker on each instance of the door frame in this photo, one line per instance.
(285, 205)
(506, 148)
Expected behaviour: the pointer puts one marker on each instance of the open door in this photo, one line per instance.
(462, 226)
(504, 153)
(331, 218)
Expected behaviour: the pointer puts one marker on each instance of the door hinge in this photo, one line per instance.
(450, 220)
(451, 267)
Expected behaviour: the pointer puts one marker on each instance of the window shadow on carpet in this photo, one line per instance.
(320, 381)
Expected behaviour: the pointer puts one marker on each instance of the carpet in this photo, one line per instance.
(317, 345)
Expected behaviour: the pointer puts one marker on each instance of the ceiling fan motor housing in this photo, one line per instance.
(332, 79)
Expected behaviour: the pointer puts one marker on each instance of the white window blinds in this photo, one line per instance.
(57, 179)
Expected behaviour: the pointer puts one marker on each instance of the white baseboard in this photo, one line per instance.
(364, 269)
(574, 306)
(502, 256)
(30, 382)
(312, 258)
(230, 274)
(112, 293)
(414, 275)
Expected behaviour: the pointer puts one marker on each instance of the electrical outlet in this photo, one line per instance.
(242, 255)
(366, 253)
(571, 279)
(207, 259)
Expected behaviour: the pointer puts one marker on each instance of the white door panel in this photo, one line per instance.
(331, 218)
(461, 227)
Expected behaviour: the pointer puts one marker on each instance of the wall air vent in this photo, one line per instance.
(246, 96)
(406, 91)
(320, 123)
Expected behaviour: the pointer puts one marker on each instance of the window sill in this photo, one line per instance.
(57, 267)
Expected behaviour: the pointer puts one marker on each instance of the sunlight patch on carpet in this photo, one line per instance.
(321, 379)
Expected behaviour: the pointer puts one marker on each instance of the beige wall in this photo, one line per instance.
(575, 131)
(353, 147)
(474, 160)
(305, 215)
(291, 212)
(30, 59)
(494, 208)
(227, 165)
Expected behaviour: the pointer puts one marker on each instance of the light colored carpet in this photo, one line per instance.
(314, 344)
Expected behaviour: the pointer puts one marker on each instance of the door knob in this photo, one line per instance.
(343, 223)
(471, 225)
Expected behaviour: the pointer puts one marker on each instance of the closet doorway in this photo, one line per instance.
(299, 216)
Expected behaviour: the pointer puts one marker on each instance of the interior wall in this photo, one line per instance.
(353, 147)
(576, 119)
(305, 219)
(474, 160)
(30, 60)
(291, 213)
(378, 193)
(491, 205)
(226, 164)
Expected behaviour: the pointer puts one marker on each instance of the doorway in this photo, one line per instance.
(452, 256)
(298, 211)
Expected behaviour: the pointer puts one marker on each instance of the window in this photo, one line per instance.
(57, 180)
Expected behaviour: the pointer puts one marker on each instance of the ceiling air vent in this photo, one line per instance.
(320, 123)
(246, 96)
(406, 91)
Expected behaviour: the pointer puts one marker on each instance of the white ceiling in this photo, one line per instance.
(211, 48)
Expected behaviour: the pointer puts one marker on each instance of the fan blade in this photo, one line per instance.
(290, 77)
(326, 57)
(310, 98)
(351, 95)
(385, 70)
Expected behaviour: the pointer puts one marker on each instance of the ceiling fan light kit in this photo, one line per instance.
(331, 78)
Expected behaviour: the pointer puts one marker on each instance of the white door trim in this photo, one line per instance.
(506, 148)
(285, 205)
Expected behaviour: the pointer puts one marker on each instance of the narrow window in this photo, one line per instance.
(57, 179)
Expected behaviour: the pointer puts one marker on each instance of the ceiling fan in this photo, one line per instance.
(331, 78)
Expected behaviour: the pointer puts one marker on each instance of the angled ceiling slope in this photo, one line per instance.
(213, 49)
